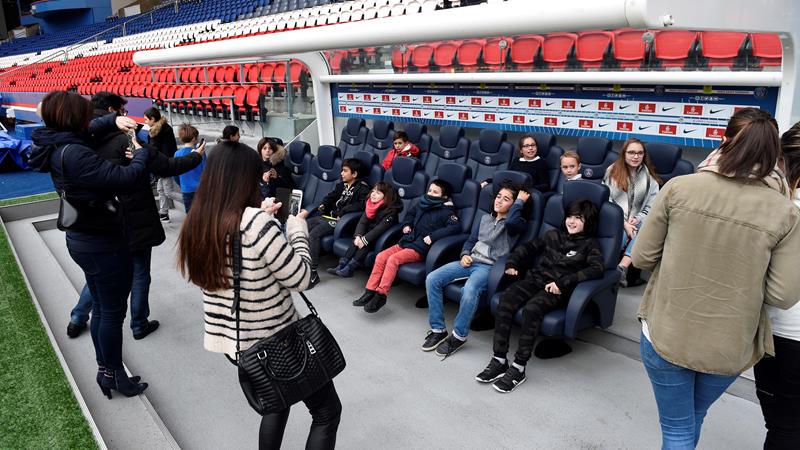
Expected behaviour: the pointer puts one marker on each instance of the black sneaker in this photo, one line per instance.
(510, 380)
(492, 372)
(152, 325)
(74, 330)
(164, 217)
(449, 346)
(376, 303)
(433, 339)
(364, 299)
(314, 280)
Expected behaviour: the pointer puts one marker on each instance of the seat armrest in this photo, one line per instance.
(388, 238)
(444, 250)
(584, 293)
(346, 225)
(497, 277)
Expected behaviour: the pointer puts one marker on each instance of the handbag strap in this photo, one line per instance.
(63, 172)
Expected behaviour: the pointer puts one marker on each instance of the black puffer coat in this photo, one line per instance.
(385, 217)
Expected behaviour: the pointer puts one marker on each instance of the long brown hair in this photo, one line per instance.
(752, 147)
(620, 174)
(228, 185)
(790, 145)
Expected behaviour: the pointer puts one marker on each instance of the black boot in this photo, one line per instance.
(101, 372)
(376, 303)
(333, 270)
(118, 380)
(348, 269)
(364, 299)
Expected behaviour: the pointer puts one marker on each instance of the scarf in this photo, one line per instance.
(372, 208)
(775, 180)
(632, 201)
(427, 202)
(156, 128)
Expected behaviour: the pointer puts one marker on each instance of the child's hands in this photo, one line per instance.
(427, 240)
(406, 229)
(511, 271)
(630, 229)
(466, 261)
(552, 288)
(523, 195)
(358, 242)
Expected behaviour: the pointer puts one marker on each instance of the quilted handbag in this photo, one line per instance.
(93, 217)
(288, 366)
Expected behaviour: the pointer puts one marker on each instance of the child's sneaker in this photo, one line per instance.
(376, 303)
(365, 298)
(449, 346)
(433, 339)
(512, 378)
(492, 372)
(314, 280)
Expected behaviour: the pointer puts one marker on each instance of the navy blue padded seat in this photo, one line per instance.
(354, 137)
(593, 301)
(551, 153)
(489, 153)
(325, 172)
(418, 134)
(596, 156)
(465, 200)
(450, 147)
(380, 138)
(298, 161)
(371, 168)
(667, 161)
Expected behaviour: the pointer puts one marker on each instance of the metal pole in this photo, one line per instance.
(289, 93)
(241, 73)
(153, 74)
(151, 17)
(124, 29)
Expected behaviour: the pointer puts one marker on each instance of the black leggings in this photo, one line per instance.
(325, 409)
(778, 390)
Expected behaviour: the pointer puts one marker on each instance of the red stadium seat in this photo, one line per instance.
(495, 54)
(767, 48)
(444, 56)
(421, 57)
(629, 48)
(721, 48)
(592, 47)
(525, 50)
(557, 49)
(673, 48)
(400, 60)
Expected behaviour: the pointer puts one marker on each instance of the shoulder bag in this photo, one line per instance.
(288, 366)
(94, 217)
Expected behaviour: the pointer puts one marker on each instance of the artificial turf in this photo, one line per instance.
(32, 198)
(37, 406)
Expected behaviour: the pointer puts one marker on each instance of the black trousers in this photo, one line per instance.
(325, 409)
(317, 228)
(778, 390)
(535, 303)
(358, 254)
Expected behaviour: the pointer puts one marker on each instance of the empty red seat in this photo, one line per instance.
(421, 57)
(592, 47)
(267, 72)
(469, 53)
(495, 52)
(525, 50)
(673, 48)
(400, 60)
(767, 48)
(557, 49)
(444, 56)
(629, 48)
(721, 48)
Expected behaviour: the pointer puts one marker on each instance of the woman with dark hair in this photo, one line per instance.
(63, 148)
(272, 265)
(162, 138)
(230, 133)
(634, 184)
(274, 173)
(721, 243)
(380, 212)
(778, 377)
(565, 258)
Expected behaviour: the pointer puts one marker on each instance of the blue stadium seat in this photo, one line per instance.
(465, 200)
(380, 138)
(418, 134)
(596, 156)
(451, 146)
(354, 137)
(550, 152)
(324, 173)
(489, 153)
(298, 161)
(592, 302)
(667, 161)
(372, 170)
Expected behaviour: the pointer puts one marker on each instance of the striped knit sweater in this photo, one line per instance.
(272, 264)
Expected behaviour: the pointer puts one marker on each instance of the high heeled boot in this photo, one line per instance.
(101, 371)
(118, 380)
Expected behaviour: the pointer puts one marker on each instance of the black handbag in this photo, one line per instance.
(95, 217)
(285, 368)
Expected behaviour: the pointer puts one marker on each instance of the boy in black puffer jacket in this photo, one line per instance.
(565, 258)
(432, 218)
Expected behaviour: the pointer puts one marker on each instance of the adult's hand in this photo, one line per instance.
(201, 149)
(302, 214)
(270, 207)
(125, 123)
(511, 271)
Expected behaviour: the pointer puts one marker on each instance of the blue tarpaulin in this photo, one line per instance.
(15, 150)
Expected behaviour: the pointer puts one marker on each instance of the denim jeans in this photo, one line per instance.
(140, 294)
(477, 279)
(627, 245)
(109, 276)
(683, 397)
(187, 200)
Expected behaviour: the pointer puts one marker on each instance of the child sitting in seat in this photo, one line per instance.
(432, 218)
(381, 212)
(491, 239)
(566, 257)
(571, 166)
(402, 147)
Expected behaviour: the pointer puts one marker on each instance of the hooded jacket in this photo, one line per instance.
(163, 138)
(345, 199)
(284, 179)
(437, 222)
(385, 217)
(86, 178)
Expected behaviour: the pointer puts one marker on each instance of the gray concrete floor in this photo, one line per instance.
(394, 395)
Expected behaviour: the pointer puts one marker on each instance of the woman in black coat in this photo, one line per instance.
(274, 173)
(62, 147)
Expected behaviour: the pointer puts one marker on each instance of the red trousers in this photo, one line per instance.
(386, 264)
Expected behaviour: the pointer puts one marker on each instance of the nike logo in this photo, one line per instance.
(503, 118)
(462, 100)
(584, 105)
(394, 98)
(405, 113)
(437, 100)
(664, 108)
(517, 103)
(566, 123)
(532, 120)
(550, 104)
(715, 111)
(624, 107)
(427, 114)
(688, 131)
(643, 128)
(475, 117)
(602, 125)
(450, 115)
(415, 99)
(486, 101)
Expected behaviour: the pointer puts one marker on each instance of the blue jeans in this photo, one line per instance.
(187, 200)
(109, 276)
(683, 397)
(476, 283)
(140, 294)
(627, 245)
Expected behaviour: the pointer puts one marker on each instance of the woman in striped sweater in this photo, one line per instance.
(272, 265)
